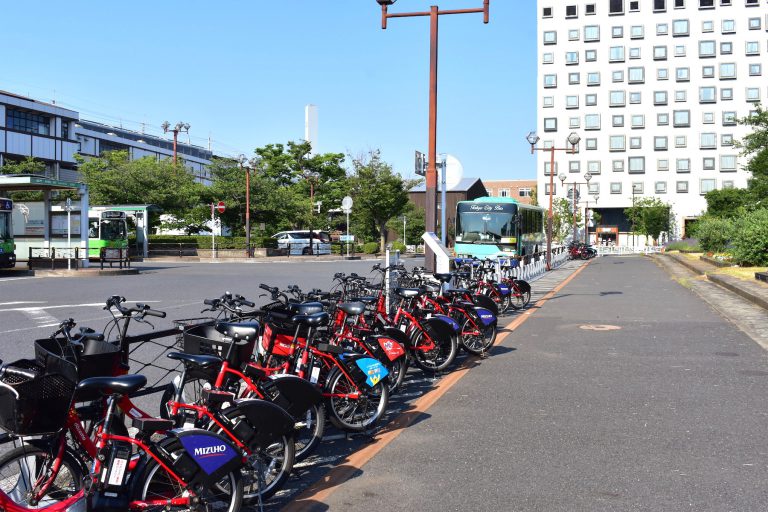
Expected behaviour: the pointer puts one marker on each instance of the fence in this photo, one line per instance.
(606, 250)
(50, 256)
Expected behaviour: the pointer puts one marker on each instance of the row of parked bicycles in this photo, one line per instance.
(251, 393)
(581, 251)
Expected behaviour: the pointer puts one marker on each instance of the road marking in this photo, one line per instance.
(36, 308)
(22, 302)
(4, 279)
(320, 490)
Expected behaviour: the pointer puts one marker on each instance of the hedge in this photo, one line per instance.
(204, 242)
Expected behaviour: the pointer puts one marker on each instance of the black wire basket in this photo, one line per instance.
(37, 405)
(205, 339)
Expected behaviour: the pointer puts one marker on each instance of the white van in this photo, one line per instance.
(298, 242)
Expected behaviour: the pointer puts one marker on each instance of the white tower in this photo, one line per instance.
(310, 126)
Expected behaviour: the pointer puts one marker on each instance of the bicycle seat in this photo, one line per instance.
(203, 361)
(408, 293)
(311, 320)
(367, 300)
(240, 330)
(305, 308)
(443, 278)
(122, 385)
(352, 308)
(431, 288)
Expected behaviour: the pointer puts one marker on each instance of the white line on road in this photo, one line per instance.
(30, 309)
(22, 302)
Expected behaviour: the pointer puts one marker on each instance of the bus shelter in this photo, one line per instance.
(140, 214)
(38, 233)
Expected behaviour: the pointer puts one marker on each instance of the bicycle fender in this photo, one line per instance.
(487, 303)
(293, 394)
(503, 289)
(208, 456)
(437, 329)
(266, 422)
(365, 370)
(486, 316)
(448, 320)
(523, 285)
(399, 336)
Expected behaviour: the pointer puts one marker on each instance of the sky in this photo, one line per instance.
(241, 72)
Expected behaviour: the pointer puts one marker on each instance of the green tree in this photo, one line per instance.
(379, 193)
(30, 165)
(535, 196)
(415, 220)
(650, 216)
(755, 146)
(562, 219)
(726, 202)
(114, 178)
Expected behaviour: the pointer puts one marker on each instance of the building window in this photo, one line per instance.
(634, 53)
(682, 187)
(662, 119)
(594, 189)
(546, 12)
(591, 144)
(706, 49)
(729, 118)
(683, 74)
(573, 122)
(681, 118)
(662, 74)
(708, 26)
(617, 54)
(726, 139)
(571, 11)
(706, 4)
(525, 192)
(574, 166)
(546, 189)
(638, 187)
(680, 50)
(679, 4)
(659, 53)
(593, 78)
(636, 75)
(707, 94)
(616, 187)
(753, 93)
(755, 69)
(754, 23)
(590, 100)
(617, 32)
(637, 32)
(617, 76)
(638, 121)
(574, 78)
(660, 98)
(662, 164)
(681, 141)
(680, 28)
(662, 29)
(592, 33)
(752, 48)
(616, 7)
(706, 185)
(683, 165)
(635, 143)
(708, 141)
(660, 187)
(636, 165)
(708, 163)
(550, 37)
(590, 55)
(550, 124)
(547, 167)
(660, 143)
(726, 94)
(618, 98)
(589, 9)
(617, 143)
(618, 121)
(708, 117)
(726, 48)
(659, 5)
(727, 184)
(634, 5)
(729, 27)
(548, 58)
(681, 96)
(727, 71)
(571, 58)
(593, 167)
(550, 81)
(27, 122)
(618, 166)
(571, 102)
(503, 192)
(592, 122)
(65, 129)
(708, 72)
(727, 163)
(634, 97)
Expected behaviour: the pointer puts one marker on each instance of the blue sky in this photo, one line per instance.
(241, 72)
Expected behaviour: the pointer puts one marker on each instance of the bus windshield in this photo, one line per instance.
(5, 226)
(113, 229)
(480, 226)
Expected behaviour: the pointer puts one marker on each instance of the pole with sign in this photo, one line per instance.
(346, 207)
(221, 208)
(69, 208)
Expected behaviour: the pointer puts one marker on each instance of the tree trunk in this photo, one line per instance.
(382, 238)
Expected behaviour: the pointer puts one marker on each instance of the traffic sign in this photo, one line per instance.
(220, 207)
(346, 203)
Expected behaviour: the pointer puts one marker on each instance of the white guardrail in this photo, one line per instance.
(603, 250)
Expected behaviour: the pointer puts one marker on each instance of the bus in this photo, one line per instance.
(488, 227)
(7, 245)
(106, 228)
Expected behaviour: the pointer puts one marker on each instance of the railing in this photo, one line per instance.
(607, 250)
(49, 256)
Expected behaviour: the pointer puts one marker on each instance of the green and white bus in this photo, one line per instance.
(7, 245)
(489, 227)
(106, 228)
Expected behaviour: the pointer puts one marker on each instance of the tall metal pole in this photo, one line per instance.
(573, 196)
(442, 202)
(549, 215)
(347, 234)
(431, 192)
(175, 141)
(247, 212)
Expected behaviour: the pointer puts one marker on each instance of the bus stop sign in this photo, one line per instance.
(220, 207)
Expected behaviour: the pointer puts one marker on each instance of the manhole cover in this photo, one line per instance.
(598, 327)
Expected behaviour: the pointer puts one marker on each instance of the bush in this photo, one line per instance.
(750, 243)
(399, 246)
(371, 248)
(686, 245)
(714, 233)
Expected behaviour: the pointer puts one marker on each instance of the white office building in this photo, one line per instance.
(653, 88)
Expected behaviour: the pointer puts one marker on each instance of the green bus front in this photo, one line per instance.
(106, 229)
(7, 245)
(491, 227)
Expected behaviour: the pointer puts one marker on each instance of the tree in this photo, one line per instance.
(650, 216)
(379, 194)
(30, 165)
(415, 221)
(725, 202)
(535, 196)
(114, 178)
(562, 218)
(755, 146)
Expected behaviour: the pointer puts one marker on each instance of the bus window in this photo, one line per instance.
(93, 228)
(113, 229)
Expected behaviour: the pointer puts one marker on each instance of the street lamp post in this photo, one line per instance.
(310, 177)
(586, 221)
(634, 214)
(431, 185)
(247, 170)
(575, 195)
(532, 139)
(180, 127)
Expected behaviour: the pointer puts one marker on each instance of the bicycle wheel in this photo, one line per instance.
(502, 301)
(520, 299)
(309, 431)
(24, 467)
(437, 359)
(477, 341)
(155, 483)
(355, 414)
(192, 393)
(397, 370)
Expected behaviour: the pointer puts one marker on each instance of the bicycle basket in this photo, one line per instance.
(97, 359)
(205, 339)
(39, 405)
(186, 323)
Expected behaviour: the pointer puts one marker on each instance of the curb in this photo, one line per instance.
(722, 281)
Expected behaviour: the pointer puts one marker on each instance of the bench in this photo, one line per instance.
(44, 257)
(112, 256)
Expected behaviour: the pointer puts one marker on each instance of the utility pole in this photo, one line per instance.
(180, 127)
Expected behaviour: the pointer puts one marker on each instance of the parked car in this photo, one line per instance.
(297, 242)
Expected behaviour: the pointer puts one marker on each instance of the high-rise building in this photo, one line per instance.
(654, 88)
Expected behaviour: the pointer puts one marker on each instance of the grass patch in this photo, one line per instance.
(745, 273)
(692, 255)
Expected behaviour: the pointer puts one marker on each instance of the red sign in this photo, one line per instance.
(220, 207)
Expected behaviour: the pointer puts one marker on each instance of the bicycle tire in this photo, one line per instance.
(355, 415)
(480, 343)
(67, 482)
(437, 359)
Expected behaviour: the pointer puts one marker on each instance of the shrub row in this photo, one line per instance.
(745, 237)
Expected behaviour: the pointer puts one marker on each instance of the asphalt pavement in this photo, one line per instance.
(624, 391)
